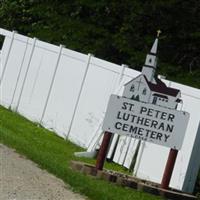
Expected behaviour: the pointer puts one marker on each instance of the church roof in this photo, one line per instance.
(160, 87)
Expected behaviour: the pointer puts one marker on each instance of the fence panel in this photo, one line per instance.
(100, 82)
(64, 93)
(11, 62)
(39, 67)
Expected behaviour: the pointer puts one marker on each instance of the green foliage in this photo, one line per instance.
(119, 31)
(54, 154)
(176, 74)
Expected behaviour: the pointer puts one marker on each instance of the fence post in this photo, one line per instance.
(18, 76)
(121, 74)
(7, 56)
(26, 73)
(52, 82)
(140, 148)
(79, 94)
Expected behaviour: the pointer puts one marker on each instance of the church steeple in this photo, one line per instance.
(150, 65)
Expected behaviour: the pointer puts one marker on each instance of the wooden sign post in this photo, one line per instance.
(169, 168)
(103, 150)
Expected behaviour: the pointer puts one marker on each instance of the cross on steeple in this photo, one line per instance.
(158, 33)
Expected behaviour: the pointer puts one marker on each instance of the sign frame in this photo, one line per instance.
(144, 121)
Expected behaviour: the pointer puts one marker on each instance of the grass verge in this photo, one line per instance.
(54, 154)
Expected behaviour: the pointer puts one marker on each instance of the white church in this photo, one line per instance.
(148, 88)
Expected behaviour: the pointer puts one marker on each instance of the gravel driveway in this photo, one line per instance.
(21, 179)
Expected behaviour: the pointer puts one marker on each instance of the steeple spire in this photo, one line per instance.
(155, 44)
(154, 47)
(150, 65)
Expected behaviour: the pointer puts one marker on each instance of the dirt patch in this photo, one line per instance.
(21, 179)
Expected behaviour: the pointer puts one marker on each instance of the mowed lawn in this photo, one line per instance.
(53, 153)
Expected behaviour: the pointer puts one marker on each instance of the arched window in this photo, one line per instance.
(144, 92)
(154, 100)
(132, 89)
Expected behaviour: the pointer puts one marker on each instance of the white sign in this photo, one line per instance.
(146, 122)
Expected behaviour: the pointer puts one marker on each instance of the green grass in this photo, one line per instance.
(53, 153)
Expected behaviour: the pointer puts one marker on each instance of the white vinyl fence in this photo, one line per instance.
(67, 92)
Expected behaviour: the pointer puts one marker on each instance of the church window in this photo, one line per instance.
(137, 98)
(132, 89)
(144, 92)
(154, 100)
